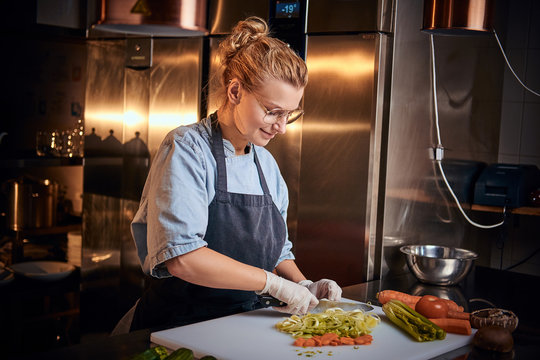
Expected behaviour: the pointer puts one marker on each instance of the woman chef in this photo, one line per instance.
(211, 229)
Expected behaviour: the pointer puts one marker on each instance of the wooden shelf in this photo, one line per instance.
(40, 162)
(421, 196)
(524, 210)
(54, 230)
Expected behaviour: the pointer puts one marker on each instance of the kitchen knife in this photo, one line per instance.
(324, 304)
(267, 301)
(344, 305)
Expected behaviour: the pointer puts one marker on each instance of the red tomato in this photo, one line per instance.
(432, 307)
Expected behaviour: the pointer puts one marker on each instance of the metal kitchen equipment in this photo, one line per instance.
(155, 18)
(506, 185)
(438, 265)
(32, 203)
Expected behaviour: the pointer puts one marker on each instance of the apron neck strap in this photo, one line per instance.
(259, 170)
(219, 155)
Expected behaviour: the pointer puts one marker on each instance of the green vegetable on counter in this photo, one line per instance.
(335, 320)
(208, 357)
(181, 354)
(416, 325)
(155, 353)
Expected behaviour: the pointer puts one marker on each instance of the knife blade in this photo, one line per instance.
(324, 304)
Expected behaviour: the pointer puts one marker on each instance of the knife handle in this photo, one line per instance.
(267, 301)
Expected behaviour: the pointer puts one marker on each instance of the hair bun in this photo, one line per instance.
(243, 34)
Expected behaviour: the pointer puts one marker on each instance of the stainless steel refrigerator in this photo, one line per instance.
(333, 160)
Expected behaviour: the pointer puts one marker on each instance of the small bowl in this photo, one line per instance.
(494, 316)
(438, 265)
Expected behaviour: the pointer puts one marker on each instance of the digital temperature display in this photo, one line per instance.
(287, 9)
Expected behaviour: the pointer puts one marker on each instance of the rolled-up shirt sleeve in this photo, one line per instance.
(173, 214)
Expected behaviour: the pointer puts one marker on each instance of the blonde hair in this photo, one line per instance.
(252, 56)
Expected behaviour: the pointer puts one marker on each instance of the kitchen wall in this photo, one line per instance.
(43, 90)
(520, 126)
(475, 95)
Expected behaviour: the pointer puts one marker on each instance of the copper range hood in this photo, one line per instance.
(458, 17)
(168, 18)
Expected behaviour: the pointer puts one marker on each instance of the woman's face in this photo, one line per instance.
(249, 115)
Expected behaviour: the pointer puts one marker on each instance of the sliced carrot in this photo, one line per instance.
(363, 340)
(327, 338)
(455, 326)
(333, 340)
(345, 340)
(309, 342)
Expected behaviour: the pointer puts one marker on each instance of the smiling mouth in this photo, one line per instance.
(266, 132)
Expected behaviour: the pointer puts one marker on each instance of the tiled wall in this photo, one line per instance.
(519, 141)
(485, 116)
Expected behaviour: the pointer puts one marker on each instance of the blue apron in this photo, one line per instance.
(247, 228)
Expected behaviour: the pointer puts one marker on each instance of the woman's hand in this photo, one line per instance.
(323, 288)
(298, 298)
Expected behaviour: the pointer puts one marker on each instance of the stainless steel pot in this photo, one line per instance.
(32, 203)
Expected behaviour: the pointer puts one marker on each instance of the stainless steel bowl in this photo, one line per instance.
(438, 265)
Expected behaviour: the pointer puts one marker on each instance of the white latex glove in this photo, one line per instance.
(323, 288)
(298, 298)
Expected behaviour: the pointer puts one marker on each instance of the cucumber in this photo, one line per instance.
(155, 353)
(181, 354)
(208, 357)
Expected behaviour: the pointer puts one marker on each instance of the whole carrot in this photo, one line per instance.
(387, 295)
(458, 315)
(455, 326)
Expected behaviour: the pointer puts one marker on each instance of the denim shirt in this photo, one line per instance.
(173, 212)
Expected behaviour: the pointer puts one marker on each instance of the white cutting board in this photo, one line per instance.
(252, 335)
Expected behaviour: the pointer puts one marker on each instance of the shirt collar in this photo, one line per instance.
(228, 146)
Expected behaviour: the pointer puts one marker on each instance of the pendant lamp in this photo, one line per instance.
(458, 17)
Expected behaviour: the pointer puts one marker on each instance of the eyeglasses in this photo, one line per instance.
(276, 115)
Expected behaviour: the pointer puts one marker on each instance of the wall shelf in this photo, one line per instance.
(53, 230)
(20, 235)
(421, 196)
(524, 210)
(40, 162)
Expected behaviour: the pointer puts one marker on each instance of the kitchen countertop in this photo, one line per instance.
(508, 290)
